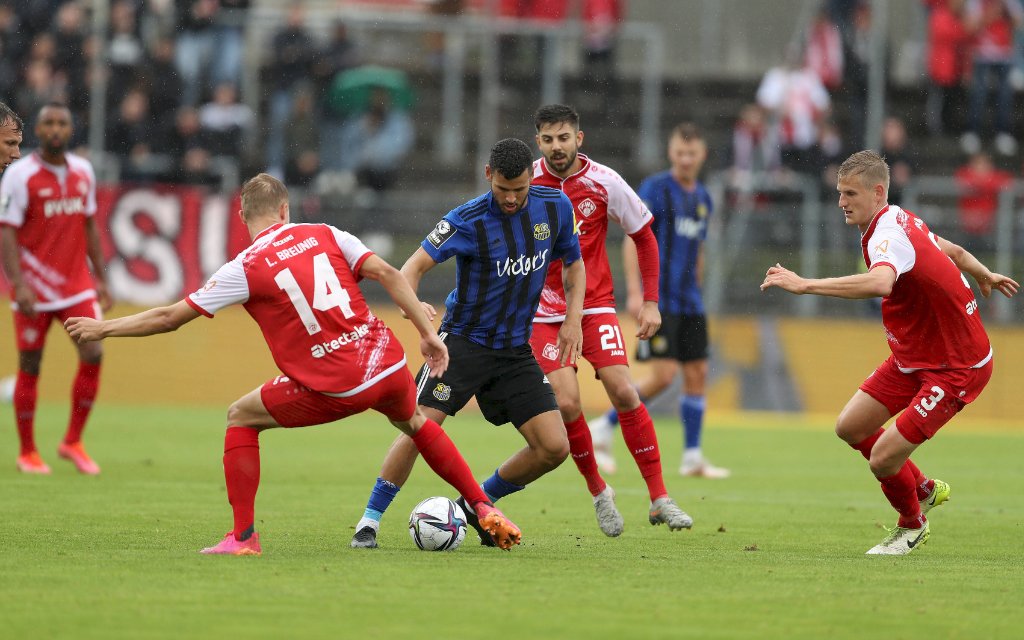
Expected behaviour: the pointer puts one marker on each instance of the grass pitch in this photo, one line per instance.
(776, 552)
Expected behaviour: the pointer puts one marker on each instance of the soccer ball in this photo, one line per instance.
(437, 524)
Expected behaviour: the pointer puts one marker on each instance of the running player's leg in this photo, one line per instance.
(642, 442)
(246, 418)
(30, 335)
(83, 391)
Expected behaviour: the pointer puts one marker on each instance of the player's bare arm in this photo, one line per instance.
(99, 271)
(419, 263)
(874, 284)
(22, 294)
(146, 323)
(987, 280)
(434, 351)
(570, 336)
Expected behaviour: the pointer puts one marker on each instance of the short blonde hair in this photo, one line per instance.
(871, 167)
(262, 195)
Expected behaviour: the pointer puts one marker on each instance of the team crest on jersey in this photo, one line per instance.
(550, 351)
(702, 211)
(587, 208)
(442, 392)
(541, 231)
(440, 234)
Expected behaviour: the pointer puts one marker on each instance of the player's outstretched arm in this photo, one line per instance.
(875, 283)
(394, 282)
(987, 280)
(570, 336)
(146, 323)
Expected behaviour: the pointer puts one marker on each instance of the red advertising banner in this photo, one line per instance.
(163, 242)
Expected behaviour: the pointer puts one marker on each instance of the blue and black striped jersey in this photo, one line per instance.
(680, 225)
(501, 263)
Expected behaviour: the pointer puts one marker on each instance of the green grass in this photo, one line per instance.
(776, 552)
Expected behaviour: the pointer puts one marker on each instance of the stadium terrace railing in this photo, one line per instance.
(461, 33)
(761, 219)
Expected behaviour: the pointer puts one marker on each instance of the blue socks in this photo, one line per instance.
(380, 499)
(613, 417)
(497, 488)
(691, 408)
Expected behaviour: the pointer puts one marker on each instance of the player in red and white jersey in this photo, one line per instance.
(48, 238)
(599, 194)
(941, 357)
(298, 282)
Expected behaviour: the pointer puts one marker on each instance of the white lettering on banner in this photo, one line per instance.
(158, 250)
(521, 265)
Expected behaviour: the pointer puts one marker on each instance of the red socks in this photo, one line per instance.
(242, 475)
(582, 448)
(923, 484)
(638, 432)
(444, 458)
(83, 393)
(25, 394)
(901, 491)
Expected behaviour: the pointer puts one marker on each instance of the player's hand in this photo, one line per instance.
(84, 330)
(103, 293)
(648, 320)
(25, 297)
(435, 353)
(570, 343)
(779, 276)
(1006, 286)
(427, 309)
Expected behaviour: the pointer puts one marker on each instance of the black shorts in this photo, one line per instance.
(681, 337)
(508, 383)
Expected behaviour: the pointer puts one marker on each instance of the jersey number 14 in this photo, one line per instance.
(327, 292)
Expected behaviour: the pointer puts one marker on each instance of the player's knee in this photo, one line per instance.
(845, 429)
(624, 397)
(570, 408)
(555, 453)
(236, 414)
(884, 465)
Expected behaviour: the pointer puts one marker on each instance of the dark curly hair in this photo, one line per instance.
(510, 157)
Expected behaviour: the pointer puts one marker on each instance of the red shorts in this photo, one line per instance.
(602, 342)
(928, 398)
(31, 332)
(293, 405)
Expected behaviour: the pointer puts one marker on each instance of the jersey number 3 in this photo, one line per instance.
(327, 292)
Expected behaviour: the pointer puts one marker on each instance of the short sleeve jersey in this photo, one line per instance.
(597, 194)
(501, 263)
(931, 316)
(48, 205)
(680, 225)
(298, 282)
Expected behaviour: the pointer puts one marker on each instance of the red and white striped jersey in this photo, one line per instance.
(598, 194)
(299, 283)
(931, 316)
(48, 205)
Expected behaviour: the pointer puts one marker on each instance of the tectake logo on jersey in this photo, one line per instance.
(322, 349)
(521, 265)
(63, 206)
(587, 208)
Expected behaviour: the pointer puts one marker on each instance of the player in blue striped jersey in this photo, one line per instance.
(681, 207)
(503, 242)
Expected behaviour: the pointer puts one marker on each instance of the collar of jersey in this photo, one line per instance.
(874, 222)
(268, 230)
